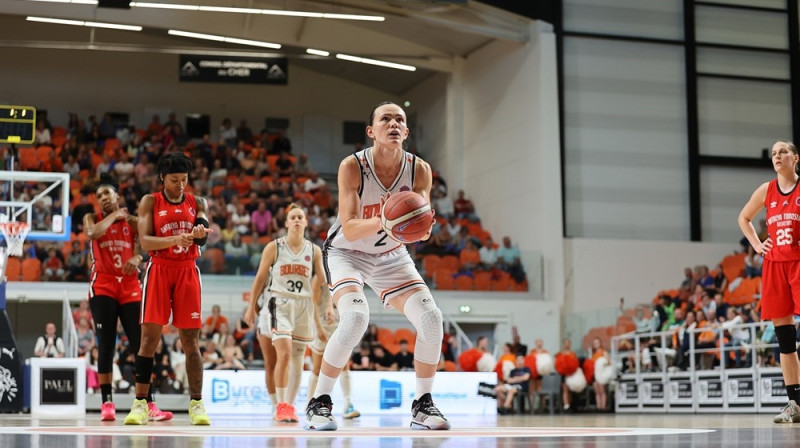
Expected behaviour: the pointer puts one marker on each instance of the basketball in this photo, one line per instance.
(406, 217)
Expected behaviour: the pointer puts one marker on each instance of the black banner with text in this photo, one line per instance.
(238, 70)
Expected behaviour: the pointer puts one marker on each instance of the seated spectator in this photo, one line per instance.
(508, 259)
(53, 267)
(255, 248)
(229, 231)
(362, 360)
(241, 220)
(106, 166)
(739, 336)
(314, 183)
(382, 360)
(83, 312)
(488, 253)
(124, 169)
(218, 174)
(76, 263)
(232, 358)
(440, 201)
(303, 167)
(42, 136)
(688, 283)
(211, 356)
(72, 168)
(720, 281)
(470, 258)
(242, 185)
(322, 197)
(243, 132)
(213, 322)
(237, 256)
(284, 165)
(517, 382)
(261, 219)
(404, 358)
(281, 144)
(85, 337)
(703, 277)
(463, 207)
(50, 345)
(227, 133)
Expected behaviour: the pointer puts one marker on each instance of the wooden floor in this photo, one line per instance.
(574, 431)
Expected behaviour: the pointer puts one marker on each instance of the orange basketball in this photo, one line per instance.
(406, 217)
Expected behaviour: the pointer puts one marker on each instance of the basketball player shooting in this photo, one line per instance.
(359, 250)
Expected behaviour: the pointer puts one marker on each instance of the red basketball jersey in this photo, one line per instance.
(783, 223)
(114, 248)
(173, 219)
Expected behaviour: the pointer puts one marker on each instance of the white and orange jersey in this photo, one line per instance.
(371, 192)
(290, 275)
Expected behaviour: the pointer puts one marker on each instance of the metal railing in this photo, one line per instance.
(70, 333)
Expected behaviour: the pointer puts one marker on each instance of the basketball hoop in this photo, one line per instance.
(14, 232)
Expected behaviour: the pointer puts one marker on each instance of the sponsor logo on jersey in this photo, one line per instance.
(177, 210)
(195, 315)
(113, 231)
(295, 269)
(405, 188)
(162, 213)
(773, 204)
(191, 211)
(785, 203)
(135, 294)
(125, 230)
(307, 258)
(797, 201)
(368, 211)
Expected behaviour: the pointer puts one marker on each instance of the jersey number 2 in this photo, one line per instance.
(382, 241)
(783, 237)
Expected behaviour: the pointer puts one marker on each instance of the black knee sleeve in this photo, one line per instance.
(144, 369)
(787, 339)
(104, 313)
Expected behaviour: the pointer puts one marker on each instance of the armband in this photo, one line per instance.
(201, 241)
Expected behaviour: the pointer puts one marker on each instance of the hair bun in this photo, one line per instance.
(106, 179)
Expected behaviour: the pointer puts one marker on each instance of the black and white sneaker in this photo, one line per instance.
(318, 414)
(425, 415)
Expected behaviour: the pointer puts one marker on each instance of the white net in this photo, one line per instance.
(14, 233)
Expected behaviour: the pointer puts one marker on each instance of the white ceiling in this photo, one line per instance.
(423, 33)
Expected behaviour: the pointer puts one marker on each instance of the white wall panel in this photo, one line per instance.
(743, 63)
(626, 163)
(643, 18)
(739, 118)
(724, 192)
(739, 27)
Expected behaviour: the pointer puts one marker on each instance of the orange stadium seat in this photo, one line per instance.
(483, 281)
(465, 283)
(13, 269)
(31, 270)
(27, 159)
(443, 277)
(272, 161)
(520, 287)
(450, 262)
(405, 333)
(430, 263)
(450, 366)
(216, 258)
(385, 336)
(43, 153)
(503, 283)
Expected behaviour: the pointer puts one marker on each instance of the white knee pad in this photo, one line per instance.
(353, 323)
(422, 312)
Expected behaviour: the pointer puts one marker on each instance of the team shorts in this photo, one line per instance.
(172, 288)
(780, 289)
(389, 274)
(284, 317)
(124, 289)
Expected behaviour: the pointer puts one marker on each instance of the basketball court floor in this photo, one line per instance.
(574, 431)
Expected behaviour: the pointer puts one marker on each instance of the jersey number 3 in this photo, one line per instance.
(783, 237)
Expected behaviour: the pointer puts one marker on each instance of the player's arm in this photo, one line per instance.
(316, 292)
(423, 180)
(147, 237)
(95, 230)
(260, 281)
(353, 227)
(748, 213)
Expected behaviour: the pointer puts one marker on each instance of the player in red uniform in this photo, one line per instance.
(172, 226)
(114, 289)
(780, 278)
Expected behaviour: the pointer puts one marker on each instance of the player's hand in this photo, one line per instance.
(765, 246)
(132, 265)
(430, 231)
(250, 315)
(184, 239)
(323, 336)
(121, 214)
(199, 231)
(330, 315)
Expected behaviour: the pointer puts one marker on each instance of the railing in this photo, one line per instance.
(70, 333)
(671, 388)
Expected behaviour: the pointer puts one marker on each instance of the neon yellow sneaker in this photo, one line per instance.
(139, 413)
(197, 413)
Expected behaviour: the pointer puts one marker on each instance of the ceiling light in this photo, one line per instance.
(76, 2)
(230, 40)
(114, 26)
(274, 12)
(318, 52)
(347, 57)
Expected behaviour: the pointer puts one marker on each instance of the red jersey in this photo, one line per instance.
(173, 219)
(111, 251)
(783, 223)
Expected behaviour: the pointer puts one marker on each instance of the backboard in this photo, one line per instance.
(40, 199)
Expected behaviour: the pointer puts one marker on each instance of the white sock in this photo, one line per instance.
(324, 385)
(424, 386)
(273, 397)
(281, 394)
(344, 381)
(312, 384)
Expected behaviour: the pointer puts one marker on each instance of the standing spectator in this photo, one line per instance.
(85, 337)
(517, 347)
(83, 311)
(49, 345)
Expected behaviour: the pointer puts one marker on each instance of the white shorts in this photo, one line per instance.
(287, 318)
(389, 274)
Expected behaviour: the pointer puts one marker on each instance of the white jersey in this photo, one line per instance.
(290, 275)
(370, 192)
